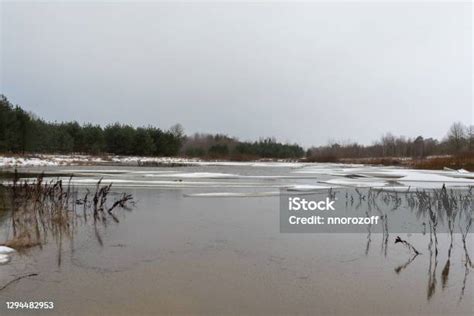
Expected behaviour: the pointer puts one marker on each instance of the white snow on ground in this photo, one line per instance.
(13, 161)
(72, 160)
(134, 160)
(198, 162)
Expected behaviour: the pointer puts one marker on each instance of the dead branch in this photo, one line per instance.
(406, 243)
(17, 279)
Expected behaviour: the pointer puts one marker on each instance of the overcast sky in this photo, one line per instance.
(302, 72)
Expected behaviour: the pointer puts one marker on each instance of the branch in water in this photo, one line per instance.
(406, 243)
(18, 279)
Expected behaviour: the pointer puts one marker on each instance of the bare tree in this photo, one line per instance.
(388, 144)
(456, 136)
(471, 137)
(419, 147)
(177, 130)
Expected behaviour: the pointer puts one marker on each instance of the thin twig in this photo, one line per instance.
(18, 279)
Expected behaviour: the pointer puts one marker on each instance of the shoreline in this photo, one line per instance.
(50, 160)
(446, 162)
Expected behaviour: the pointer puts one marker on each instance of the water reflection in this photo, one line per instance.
(437, 207)
(434, 210)
(40, 212)
(467, 260)
(402, 267)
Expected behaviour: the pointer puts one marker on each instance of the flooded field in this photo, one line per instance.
(205, 239)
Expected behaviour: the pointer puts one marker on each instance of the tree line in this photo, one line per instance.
(224, 147)
(459, 141)
(23, 132)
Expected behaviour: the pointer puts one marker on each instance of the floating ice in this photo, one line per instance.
(5, 254)
(234, 194)
(4, 250)
(415, 176)
(206, 175)
(358, 183)
(308, 187)
(4, 259)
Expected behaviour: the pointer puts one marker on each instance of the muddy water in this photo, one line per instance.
(174, 254)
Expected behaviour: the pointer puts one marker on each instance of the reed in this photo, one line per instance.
(40, 209)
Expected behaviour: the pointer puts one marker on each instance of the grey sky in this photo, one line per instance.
(302, 72)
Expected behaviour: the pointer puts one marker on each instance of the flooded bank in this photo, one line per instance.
(207, 240)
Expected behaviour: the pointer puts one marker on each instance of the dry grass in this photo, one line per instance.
(454, 162)
(465, 161)
(40, 209)
(22, 242)
(325, 158)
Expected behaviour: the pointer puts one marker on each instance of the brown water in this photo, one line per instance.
(174, 254)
